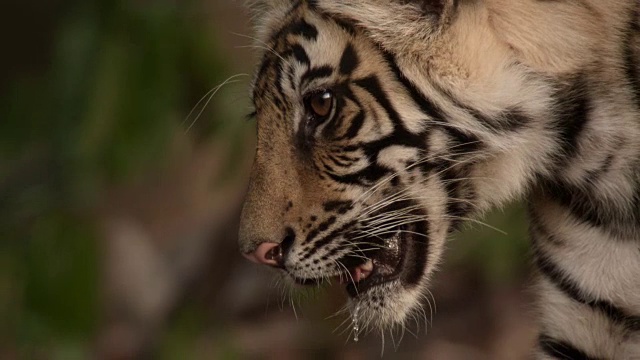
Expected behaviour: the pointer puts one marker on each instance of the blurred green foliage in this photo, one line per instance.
(496, 246)
(116, 89)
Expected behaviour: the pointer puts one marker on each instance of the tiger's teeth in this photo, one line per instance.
(368, 266)
(363, 271)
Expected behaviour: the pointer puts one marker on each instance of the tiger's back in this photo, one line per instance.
(383, 125)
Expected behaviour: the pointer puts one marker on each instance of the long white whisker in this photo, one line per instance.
(418, 162)
(263, 45)
(367, 194)
(209, 95)
(382, 202)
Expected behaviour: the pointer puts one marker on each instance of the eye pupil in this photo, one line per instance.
(321, 103)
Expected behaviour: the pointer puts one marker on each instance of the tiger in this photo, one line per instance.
(384, 125)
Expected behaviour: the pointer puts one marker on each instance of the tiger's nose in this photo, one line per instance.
(267, 253)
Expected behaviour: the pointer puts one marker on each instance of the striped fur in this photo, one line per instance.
(444, 109)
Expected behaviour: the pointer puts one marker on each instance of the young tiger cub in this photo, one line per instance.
(384, 124)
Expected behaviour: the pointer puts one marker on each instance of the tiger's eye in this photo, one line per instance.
(321, 103)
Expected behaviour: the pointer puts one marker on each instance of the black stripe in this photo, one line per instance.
(506, 121)
(278, 82)
(327, 168)
(327, 239)
(373, 172)
(354, 254)
(323, 226)
(291, 77)
(300, 54)
(401, 135)
(571, 289)
(355, 125)
(561, 350)
(296, 27)
(619, 220)
(312, 4)
(459, 196)
(319, 72)
(426, 105)
(349, 60)
(630, 57)
(339, 206)
(358, 120)
(465, 142)
(339, 163)
(594, 175)
(345, 24)
(304, 29)
(343, 157)
(509, 120)
(538, 231)
(264, 67)
(372, 85)
(278, 102)
(573, 107)
(418, 255)
(367, 176)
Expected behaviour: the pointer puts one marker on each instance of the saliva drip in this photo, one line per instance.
(355, 323)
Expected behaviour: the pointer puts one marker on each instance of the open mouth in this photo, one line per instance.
(383, 265)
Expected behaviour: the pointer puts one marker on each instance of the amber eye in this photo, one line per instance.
(320, 104)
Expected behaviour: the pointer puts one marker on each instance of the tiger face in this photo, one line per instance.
(351, 180)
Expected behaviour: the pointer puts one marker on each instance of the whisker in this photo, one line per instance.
(263, 45)
(208, 96)
(293, 306)
(381, 203)
(364, 196)
(262, 48)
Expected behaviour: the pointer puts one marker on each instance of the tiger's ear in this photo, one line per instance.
(265, 14)
(436, 9)
(409, 10)
(261, 6)
(399, 25)
(259, 9)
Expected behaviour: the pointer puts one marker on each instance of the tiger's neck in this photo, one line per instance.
(574, 152)
(564, 122)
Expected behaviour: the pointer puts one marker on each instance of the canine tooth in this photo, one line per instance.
(364, 270)
(363, 275)
(368, 266)
(358, 275)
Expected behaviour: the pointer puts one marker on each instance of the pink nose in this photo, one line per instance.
(267, 254)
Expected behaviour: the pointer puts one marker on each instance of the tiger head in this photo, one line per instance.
(361, 172)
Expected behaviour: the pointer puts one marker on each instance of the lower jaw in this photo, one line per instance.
(356, 290)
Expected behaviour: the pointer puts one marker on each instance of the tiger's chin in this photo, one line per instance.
(394, 289)
(385, 306)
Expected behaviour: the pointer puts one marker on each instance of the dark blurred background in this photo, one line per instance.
(123, 164)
